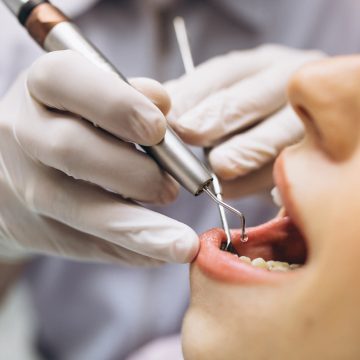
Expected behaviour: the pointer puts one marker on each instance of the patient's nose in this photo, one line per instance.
(326, 95)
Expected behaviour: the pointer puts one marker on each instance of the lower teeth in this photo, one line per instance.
(271, 265)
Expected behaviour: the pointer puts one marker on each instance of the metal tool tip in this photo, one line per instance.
(244, 237)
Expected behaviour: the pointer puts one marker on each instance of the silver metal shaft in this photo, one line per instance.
(218, 193)
(185, 50)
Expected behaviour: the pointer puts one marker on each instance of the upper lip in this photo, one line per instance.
(284, 187)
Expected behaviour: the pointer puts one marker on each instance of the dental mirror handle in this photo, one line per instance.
(53, 31)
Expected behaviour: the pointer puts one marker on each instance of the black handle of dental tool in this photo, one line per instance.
(54, 31)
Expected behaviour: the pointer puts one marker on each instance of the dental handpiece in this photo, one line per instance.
(54, 31)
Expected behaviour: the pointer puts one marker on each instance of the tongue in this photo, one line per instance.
(277, 239)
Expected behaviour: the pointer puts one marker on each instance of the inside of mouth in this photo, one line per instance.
(276, 246)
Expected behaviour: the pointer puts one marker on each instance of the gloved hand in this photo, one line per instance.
(237, 104)
(64, 182)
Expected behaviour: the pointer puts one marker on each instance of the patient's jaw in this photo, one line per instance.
(238, 312)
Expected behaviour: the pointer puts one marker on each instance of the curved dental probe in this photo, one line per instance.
(184, 46)
(216, 187)
(222, 205)
(217, 191)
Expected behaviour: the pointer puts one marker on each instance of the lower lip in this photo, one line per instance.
(226, 267)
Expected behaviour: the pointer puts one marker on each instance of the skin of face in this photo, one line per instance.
(314, 312)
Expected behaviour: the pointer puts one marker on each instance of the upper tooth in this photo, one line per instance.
(275, 193)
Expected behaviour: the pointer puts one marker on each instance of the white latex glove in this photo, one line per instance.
(63, 181)
(216, 104)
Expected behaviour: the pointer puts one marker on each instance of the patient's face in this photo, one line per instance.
(239, 311)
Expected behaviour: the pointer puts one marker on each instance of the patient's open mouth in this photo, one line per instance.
(275, 246)
(272, 249)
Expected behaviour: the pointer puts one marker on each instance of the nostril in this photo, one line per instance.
(304, 113)
(308, 120)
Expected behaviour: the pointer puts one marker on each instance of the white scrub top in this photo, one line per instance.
(92, 312)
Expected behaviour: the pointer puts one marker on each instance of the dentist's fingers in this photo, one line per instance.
(238, 107)
(222, 72)
(216, 74)
(58, 239)
(107, 216)
(84, 152)
(154, 91)
(65, 80)
(256, 147)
